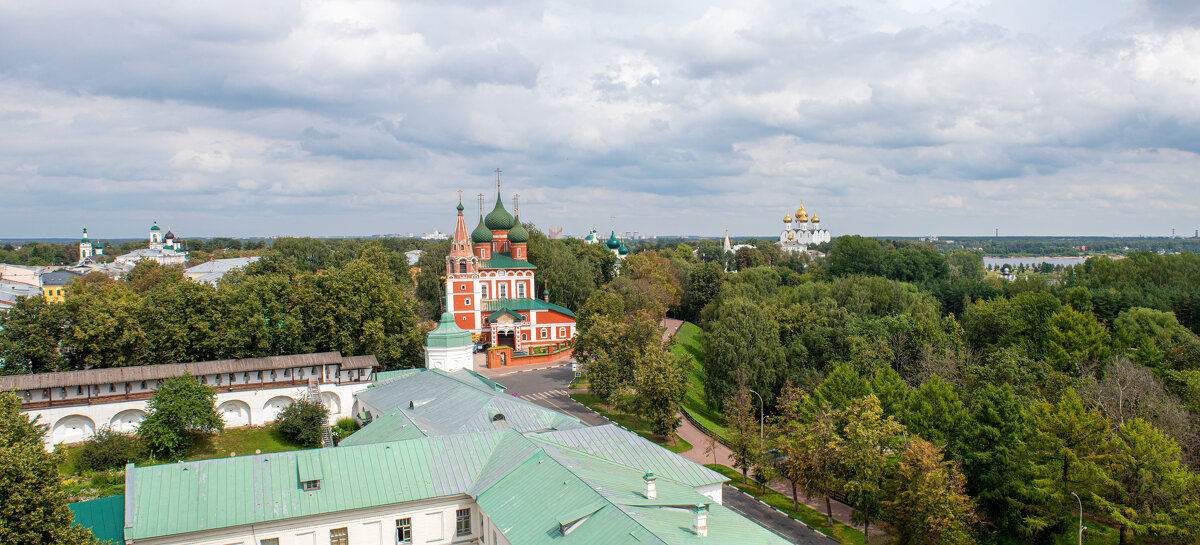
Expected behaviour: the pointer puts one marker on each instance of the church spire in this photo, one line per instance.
(460, 246)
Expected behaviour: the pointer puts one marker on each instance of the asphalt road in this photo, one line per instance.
(769, 518)
(548, 388)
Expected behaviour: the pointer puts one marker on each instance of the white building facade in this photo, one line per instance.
(249, 392)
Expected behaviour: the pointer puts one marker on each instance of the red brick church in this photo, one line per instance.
(490, 290)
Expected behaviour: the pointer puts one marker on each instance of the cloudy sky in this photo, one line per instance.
(901, 117)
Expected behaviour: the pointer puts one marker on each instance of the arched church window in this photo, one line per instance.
(483, 291)
(462, 266)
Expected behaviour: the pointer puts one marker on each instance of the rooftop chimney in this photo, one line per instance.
(700, 520)
(651, 492)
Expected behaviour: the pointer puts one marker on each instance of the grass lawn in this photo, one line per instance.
(98, 484)
(241, 441)
(633, 423)
(844, 534)
(687, 341)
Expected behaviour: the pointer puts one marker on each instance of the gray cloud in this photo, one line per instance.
(355, 118)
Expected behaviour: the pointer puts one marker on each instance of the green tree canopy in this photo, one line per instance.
(179, 408)
(33, 504)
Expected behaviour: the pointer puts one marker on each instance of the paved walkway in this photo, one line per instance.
(722, 455)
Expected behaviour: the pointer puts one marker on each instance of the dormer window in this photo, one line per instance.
(311, 485)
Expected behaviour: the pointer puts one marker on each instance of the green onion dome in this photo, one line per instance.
(481, 234)
(518, 233)
(613, 243)
(499, 219)
(155, 227)
(622, 250)
(460, 207)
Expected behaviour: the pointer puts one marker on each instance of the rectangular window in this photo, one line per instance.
(483, 291)
(462, 522)
(502, 290)
(404, 531)
(269, 541)
(339, 536)
(311, 485)
(79, 390)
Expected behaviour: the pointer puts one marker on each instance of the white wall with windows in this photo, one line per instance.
(71, 423)
(427, 522)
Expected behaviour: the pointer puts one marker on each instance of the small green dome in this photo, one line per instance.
(155, 227)
(518, 233)
(460, 207)
(481, 234)
(622, 250)
(448, 334)
(613, 243)
(499, 218)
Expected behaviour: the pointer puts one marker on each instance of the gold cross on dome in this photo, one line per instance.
(498, 171)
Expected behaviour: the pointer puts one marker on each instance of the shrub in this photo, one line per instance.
(109, 449)
(302, 422)
(348, 423)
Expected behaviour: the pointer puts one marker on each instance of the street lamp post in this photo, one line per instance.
(762, 415)
(1080, 516)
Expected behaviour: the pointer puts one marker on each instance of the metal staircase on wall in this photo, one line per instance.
(314, 395)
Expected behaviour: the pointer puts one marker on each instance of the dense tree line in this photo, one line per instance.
(303, 298)
(907, 383)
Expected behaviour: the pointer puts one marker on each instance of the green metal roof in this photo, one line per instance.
(529, 504)
(105, 517)
(493, 316)
(529, 490)
(192, 496)
(524, 304)
(441, 403)
(391, 426)
(448, 334)
(620, 446)
(505, 261)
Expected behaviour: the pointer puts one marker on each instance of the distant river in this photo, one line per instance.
(1015, 261)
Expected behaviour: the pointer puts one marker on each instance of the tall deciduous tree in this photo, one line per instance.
(744, 338)
(743, 429)
(926, 503)
(787, 436)
(867, 442)
(33, 504)
(179, 408)
(661, 383)
(816, 462)
(29, 335)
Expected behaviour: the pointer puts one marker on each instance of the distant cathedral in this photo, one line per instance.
(799, 234)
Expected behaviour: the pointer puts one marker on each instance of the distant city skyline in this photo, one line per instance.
(893, 117)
